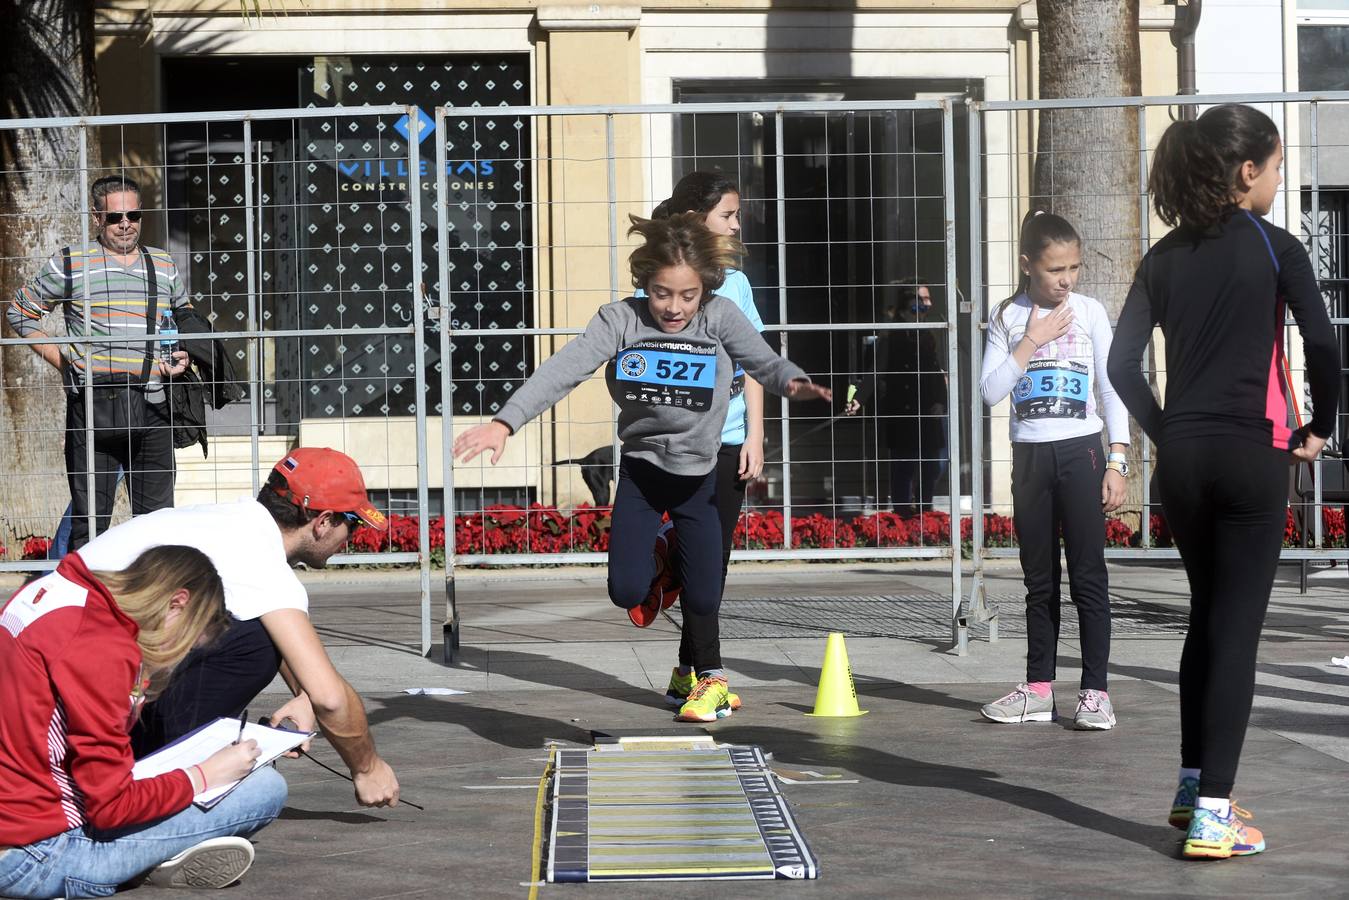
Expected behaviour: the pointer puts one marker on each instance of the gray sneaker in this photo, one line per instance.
(214, 863)
(1021, 705)
(1094, 712)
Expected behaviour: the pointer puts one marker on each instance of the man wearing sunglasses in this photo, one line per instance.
(129, 288)
(312, 503)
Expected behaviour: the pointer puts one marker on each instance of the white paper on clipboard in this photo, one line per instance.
(192, 749)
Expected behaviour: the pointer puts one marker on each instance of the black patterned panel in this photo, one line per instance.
(354, 240)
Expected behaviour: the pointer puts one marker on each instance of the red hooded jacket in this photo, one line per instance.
(70, 667)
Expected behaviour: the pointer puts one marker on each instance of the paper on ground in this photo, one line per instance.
(205, 741)
(432, 690)
(1340, 661)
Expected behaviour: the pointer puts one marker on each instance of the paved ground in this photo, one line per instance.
(930, 800)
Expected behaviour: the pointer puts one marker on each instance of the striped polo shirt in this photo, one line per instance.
(117, 296)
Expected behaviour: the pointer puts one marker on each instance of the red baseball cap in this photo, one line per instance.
(321, 478)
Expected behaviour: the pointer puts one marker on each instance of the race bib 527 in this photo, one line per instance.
(665, 377)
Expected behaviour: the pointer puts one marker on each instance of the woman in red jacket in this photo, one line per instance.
(79, 653)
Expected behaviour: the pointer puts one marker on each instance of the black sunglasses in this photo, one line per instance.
(114, 218)
(353, 521)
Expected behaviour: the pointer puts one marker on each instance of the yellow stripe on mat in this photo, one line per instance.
(536, 867)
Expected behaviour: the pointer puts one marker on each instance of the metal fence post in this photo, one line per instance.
(450, 628)
(979, 607)
(1144, 238)
(780, 168)
(419, 357)
(252, 195)
(87, 395)
(1318, 515)
(959, 624)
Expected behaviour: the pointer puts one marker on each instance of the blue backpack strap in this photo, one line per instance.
(1268, 246)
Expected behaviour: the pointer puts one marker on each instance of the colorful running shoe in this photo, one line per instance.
(680, 687)
(1094, 711)
(709, 700)
(1187, 793)
(1021, 705)
(1212, 836)
(664, 586)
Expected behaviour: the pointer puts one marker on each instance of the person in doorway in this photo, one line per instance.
(313, 500)
(668, 362)
(76, 647)
(1218, 286)
(129, 289)
(739, 461)
(905, 385)
(1047, 348)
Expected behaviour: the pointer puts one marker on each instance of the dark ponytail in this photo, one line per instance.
(698, 192)
(1197, 165)
(1038, 230)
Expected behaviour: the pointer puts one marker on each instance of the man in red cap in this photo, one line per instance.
(313, 501)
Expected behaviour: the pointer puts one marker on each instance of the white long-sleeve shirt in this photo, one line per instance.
(1064, 389)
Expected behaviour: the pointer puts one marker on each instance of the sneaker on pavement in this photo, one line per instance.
(1187, 794)
(1094, 711)
(709, 700)
(214, 863)
(680, 687)
(1212, 836)
(1021, 705)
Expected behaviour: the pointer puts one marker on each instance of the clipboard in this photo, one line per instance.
(196, 746)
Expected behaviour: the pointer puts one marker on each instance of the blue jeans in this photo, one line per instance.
(84, 862)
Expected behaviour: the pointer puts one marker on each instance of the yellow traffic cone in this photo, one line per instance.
(837, 695)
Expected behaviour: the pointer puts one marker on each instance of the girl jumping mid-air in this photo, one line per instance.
(668, 361)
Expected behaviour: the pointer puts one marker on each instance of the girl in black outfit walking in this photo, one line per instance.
(1218, 286)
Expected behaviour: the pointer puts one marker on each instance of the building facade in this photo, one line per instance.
(534, 199)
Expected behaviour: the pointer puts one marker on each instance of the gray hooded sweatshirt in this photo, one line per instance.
(672, 390)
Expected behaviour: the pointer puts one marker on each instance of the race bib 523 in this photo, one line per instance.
(1052, 389)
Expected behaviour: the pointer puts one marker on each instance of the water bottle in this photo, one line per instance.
(168, 337)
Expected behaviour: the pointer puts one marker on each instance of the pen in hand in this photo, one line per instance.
(243, 720)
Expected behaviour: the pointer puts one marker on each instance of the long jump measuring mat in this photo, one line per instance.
(634, 814)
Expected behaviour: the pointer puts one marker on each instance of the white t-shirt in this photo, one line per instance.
(1056, 396)
(241, 538)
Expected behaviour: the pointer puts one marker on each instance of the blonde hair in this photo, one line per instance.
(144, 589)
(682, 239)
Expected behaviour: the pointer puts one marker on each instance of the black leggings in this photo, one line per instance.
(646, 492)
(216, 680)
(700, 636)
(1056, 488)
(1225, 502)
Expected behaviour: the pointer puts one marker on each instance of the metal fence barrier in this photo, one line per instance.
(310, 288)
(1311, 206)
(366, 284)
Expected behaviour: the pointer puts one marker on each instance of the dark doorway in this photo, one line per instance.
(864, 211)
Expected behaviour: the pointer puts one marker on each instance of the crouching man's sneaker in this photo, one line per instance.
(214, 863)
(1094, 711)
(1021, 705)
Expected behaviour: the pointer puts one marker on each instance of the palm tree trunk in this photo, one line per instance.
(46, 69)
(1086, 160)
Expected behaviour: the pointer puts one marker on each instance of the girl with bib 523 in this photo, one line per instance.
(1047, 347)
